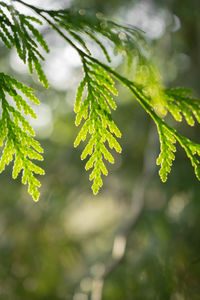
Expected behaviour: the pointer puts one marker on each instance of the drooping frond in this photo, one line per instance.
(157, 102)
(94, 102)
(180, 102)
(19, 31)
(167, 149)
(80, 26)
(169, 136)
(16, 134)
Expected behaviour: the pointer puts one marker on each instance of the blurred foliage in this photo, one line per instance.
(54, 249)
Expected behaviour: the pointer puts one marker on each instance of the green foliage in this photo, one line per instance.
(16, 133)
(95, 94)
(168, 148)
(81, 26)
(180, 100)
(18, 31)
(96, 110)
(168, 137)
(157, 101)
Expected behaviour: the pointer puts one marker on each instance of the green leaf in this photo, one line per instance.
(16, 134)
(99, 123)
(167, 149)
(180, 100)
(17, 31)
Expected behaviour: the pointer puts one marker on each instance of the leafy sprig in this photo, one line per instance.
(95, 108)
(157, 101)
(180, 102)
(18, 30)
(16, 134)
(128, 40)
(169, 136)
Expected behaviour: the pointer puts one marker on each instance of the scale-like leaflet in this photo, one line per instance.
(17, 31)
(193, 152)
(180, 102)
(167, 149)
(95, 107)
(168, 137)
(16, 134)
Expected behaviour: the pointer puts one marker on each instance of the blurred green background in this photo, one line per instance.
(139, 238)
